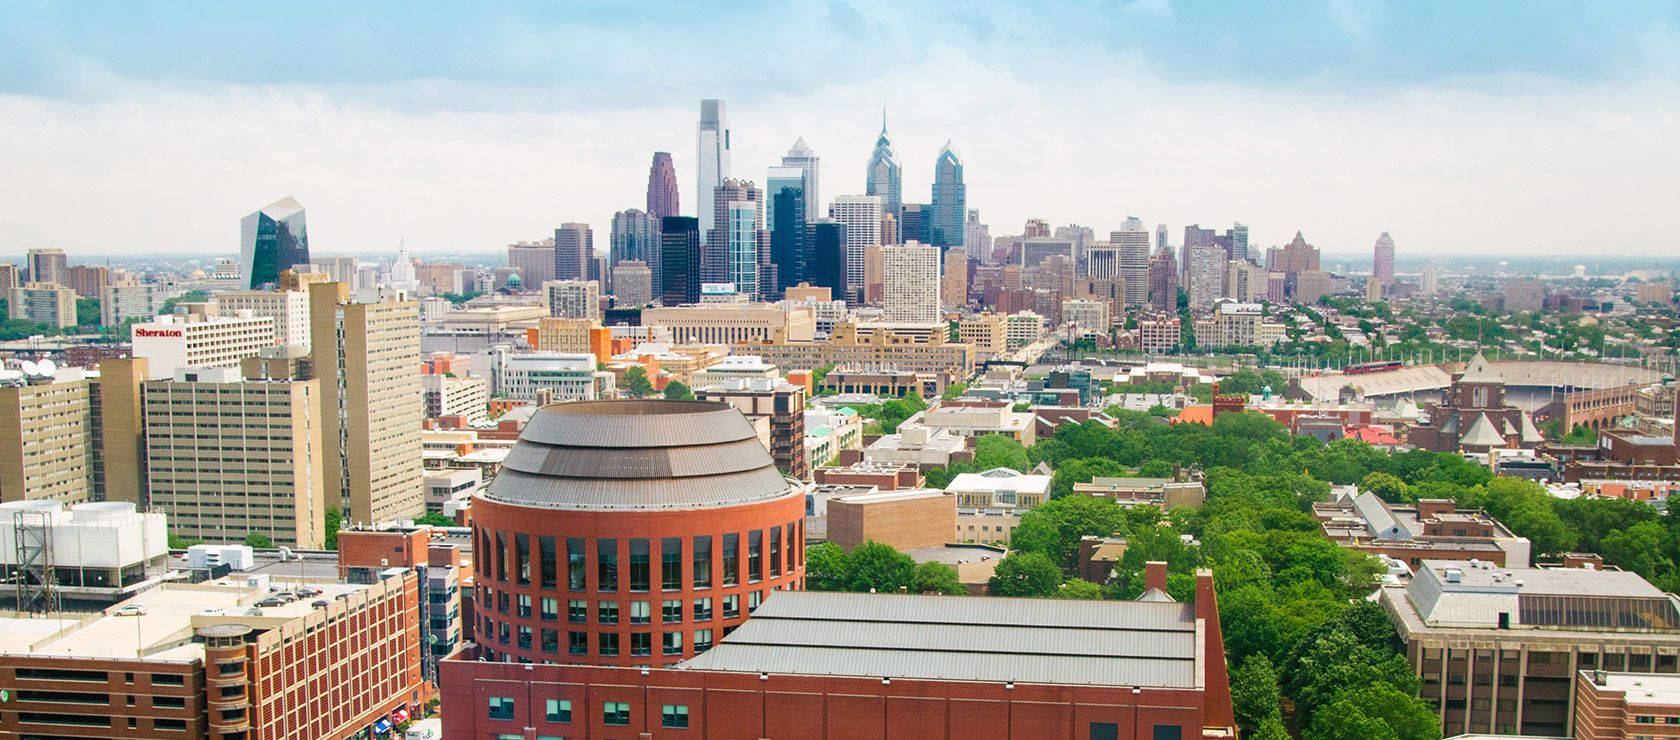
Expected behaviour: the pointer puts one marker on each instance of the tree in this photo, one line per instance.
(334, 520)
(1387, 487)
(1054, 527)
(435, 519)
(1254, 693)
(1271, 729)
(999, 451)
(637, 383)
(1155, 469)
(177, 542)
(1079, 588)
(1376, 711)
(936, 578)
(873, 566)
(676, 390)
(1025, 574)
(259, 540)
(826, 567)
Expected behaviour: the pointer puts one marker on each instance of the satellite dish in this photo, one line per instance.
(29, 367)
(47, 367)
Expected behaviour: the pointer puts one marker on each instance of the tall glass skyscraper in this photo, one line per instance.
(679, 257)
(271, 240)
(950, 199)
(742, 219)
(826, 239)
(884, 179)
(806, 160)
(712, 161)
(633, 238)
(785, 190)
(662, 188)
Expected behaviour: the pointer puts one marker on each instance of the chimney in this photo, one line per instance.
(1155, 575)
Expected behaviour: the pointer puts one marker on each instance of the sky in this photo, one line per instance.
(1536, 127)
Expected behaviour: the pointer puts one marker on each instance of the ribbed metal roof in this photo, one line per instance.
(605, 455)
(1052, 641)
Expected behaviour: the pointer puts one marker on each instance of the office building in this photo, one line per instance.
(825, 245)
(1035, 250)
(10, 275)
(559, 376)
(712, 148)
(533, 261)
(1245, 282)
(1087, 315)
(88, 281)
(574, 252)
(366, 355)
(632, 282)
(1163, 282)
(47, 438)
(1503, 649)
(950, 199)
(464, 396)
(782, 407)
(986, 333)
(1295, 257)
(786, 221)
(171, 342)
(586, 516)
(568, 336)
(1382, 260)
(910, 283)
(915, 349)
(1159, 335)
(1612, 705)
(883, 178)
(679, 254)
(1132, 243)
(42, 303)
(662, 199)
(635, 236)
(311, 658)
(977, 238)
(1237, 238)
(801, 157)
(573, 299)
(743, 222)
(271, 240)
(48, 265)
(227, 457)
(288, 308)
(727, 323)
(1205, 276)
(339, 269)
(914, 220)
(953, 283)
(861, 217)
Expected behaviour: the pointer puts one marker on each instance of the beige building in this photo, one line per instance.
(227, 457)
(906, 520)
(48, 265)
(988, 333)
(43, 303)
(452, 395)
(953, 284)
(129, 300)
(288, 308)
(910, 283)
(368, 357)
(46, 439)
(573, 299)
(121, 472)
(925, 351)
(565, 335)
(729, 323)
(10, 275)
(1087, 315)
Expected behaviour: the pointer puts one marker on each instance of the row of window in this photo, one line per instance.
(607, 612)
(512, 554)
(607, 644)
(559, 711)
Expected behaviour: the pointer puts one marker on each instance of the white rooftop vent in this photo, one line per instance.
(1454, 575)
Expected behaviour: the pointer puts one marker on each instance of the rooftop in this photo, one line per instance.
(1642, 688)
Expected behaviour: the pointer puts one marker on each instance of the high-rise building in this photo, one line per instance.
(573, 299)
(1132, 241)
(635, 236)
(1194, 236)
(861, 217)
(10, 275)
(883, 179)
(1295, 257)
(825, 241)
(874, 262)
(172, 342)
(711, 161)
(52, 304)
(953, 284)
(87, 280)
(1160, 237)
(271, 240)
(715, 254)
(743, 223)
(533, 260)
(679, 255)
(47, 439)
(1163, 282)
(574, 251)
(1245, 281)
(977, 238)
(662, 198)
(129, 300)
(632, 282)
(1205, 276)
(227, 457)
(950, 199)
(785, 220)
(1238, 236)
(1082, 237)
(801, 157)
(910, 283)
(48, 265)
(288, 308)
(1429, 280)
(366, 355)
(1382, 260)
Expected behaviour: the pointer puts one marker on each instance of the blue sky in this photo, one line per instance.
(1454, 125)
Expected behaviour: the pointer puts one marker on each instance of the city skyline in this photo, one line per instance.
(1337, 147)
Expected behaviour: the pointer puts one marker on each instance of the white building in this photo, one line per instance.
(446, 395)
(999, 488)
(451, 486)
(567, 377)
(1087, 315)
(861, 214)
(1022, 328)
(1205, 275)
(733, 367)
(100, 551)
(173, 342)
(910, 283)
(573, 299)
(288, 308)
(829, 431)
(119, 302)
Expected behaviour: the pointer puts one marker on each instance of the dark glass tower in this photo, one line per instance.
(786, 222)
(679, 254)
(950, 200)
(826, 240)
(271, 240)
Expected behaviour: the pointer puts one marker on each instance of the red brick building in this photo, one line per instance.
(1613, 705)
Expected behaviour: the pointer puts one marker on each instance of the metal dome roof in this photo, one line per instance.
(637, 455)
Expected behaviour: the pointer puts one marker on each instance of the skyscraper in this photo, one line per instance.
(533, 260)
(679, 255)
(1205, 275)
(743, 220)
(910, 283)
(271, 240)
(634, 237)
(1163, 282)
(801, 156)
(716, 251)
(884, 179)
(48, 265)
(950, 199)
(785, 219)
(953, 285)
(861, 215)
(977, 238)
(1382, 260)
(1160, 237)
(1132, 240)
(574, 249)
(662, 199)
(1238, 234)
(712, 161)
(825, 241)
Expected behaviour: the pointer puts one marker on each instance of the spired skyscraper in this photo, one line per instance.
(950, 199)
(662, 188)
(885, 179)
(801, 156)
(712, 162)
(271, 240)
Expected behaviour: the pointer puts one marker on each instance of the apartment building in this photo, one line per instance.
(42, 303)
(288, 308)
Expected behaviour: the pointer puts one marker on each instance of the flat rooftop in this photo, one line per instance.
(1543, 581)
(957, 638)
(1643, 688)
(887, 496)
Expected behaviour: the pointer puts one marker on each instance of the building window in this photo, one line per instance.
(502, 601)
(608, 642)
(524, 637)
(641, 612)
(615, 713)
(500, 556)
(670, 612)
(1169, 732)
(558, 710)
(775, 551)
(502, 632)
(703, 609)
(670, 563)
(674, 715)
(731, 559)
(673, 643)
(606, 564)
(522, 558)
(639, 566)
(550, 641)
(606, 612)
(702, 640)
(731, 606)
(577, 611)
(754, 598)
(524, 606)
(1105, 731)
(703, 561)
(548, 567)
(501, 707)
(576, 570)
(755, 555)
(641, 643)
(577, 643)
(550, 609)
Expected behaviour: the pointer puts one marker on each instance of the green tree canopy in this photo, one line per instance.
(1053, 528)
(873, 566)
(1025, 574)
(936, 578)
(637, 383)
(677, 390)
